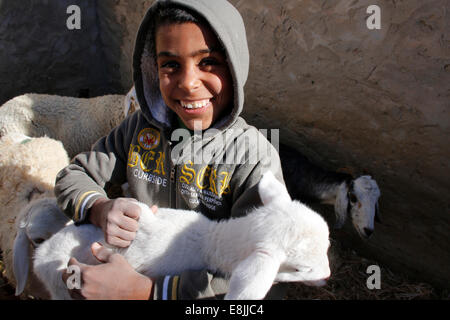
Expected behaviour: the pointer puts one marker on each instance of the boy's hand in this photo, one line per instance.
(118, 218)
(113, 279)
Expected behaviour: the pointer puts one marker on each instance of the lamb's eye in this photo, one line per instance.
(352, 197)
(39, 240)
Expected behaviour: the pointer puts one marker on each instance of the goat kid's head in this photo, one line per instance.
(358, 200)
(305, 241)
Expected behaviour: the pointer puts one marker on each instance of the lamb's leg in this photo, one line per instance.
(253, 277)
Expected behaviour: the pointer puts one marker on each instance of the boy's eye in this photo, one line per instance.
(208, 62)
(169, 65)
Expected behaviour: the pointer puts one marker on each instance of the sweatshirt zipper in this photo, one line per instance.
(172, 178)
(173, 189)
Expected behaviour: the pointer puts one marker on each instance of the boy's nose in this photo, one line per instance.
(189, 80)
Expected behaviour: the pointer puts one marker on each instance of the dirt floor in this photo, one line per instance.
(348, 282)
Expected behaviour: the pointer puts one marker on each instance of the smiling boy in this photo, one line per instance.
(190, 65)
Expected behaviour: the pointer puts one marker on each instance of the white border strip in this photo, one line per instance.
(82, 213)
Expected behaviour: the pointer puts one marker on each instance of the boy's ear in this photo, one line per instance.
(270, 189)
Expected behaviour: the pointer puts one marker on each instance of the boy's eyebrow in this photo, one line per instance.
(193, 54)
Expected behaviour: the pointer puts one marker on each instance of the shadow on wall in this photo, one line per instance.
(367, 102)
(44, 56)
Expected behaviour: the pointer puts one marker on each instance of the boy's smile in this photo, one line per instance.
(194, 78)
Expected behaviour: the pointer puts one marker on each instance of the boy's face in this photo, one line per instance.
(194, 78)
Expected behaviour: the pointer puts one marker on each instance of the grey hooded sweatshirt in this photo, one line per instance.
(215, 171)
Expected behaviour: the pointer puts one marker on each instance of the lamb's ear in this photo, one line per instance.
(340, 206)
(20, 260)
(270, 189)
(252, 277)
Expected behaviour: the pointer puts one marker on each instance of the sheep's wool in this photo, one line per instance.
(28, 169)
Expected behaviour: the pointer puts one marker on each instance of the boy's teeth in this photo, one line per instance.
(194, 105)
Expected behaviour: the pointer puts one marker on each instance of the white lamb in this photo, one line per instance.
(76, 122)
(281, 241)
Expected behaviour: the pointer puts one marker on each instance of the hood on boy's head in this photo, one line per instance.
(226, 23)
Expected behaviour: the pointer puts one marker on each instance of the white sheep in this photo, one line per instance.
(28, 169)
(356, 199)
(283, 240)
(76, 122)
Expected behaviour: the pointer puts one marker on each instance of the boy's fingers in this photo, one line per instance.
(117, 242)
(128, 224)
(132, 210)
(101, 253)
(154, 209)
(125, 234)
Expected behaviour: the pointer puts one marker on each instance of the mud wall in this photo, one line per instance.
(39, 54)
(350, 98)
(353, 99)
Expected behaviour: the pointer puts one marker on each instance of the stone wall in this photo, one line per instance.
(353, 99)
(375, 101)
(119, 22)
(39, 54)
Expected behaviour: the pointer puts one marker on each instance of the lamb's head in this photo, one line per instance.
(41, 219)
(359, 201)
(305, 236)
(37, 222)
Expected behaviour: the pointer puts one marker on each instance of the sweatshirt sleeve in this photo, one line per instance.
(192, 285)
(81, 183)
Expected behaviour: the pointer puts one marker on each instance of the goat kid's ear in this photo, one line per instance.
(377, 213)
(271, 189)
(340, 206)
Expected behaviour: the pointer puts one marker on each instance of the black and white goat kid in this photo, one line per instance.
(356, 199)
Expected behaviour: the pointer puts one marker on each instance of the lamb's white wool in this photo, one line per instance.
(77, 122)
(28, 169)
(281, 241)
(359, 200)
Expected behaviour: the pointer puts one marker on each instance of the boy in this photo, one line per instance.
(190, 65)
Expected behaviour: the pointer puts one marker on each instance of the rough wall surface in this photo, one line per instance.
(375, 101)
(372, 101)
(365, 101)
(39, 54)
(119, 22)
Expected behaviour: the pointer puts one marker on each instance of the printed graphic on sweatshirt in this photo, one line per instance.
(149, 138)
(206, 185)
(148, 164)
